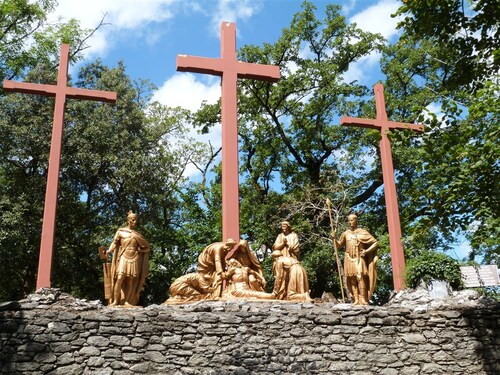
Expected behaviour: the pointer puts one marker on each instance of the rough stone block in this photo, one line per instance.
(171, 340)
(65, 359)
(138, 342)
(88, 351)
(45, 358)
(331, 319)
(98, 341)
(112, 353)
(432, 368)
(95, 361)
(414, 338)
(119, 340)
(389, 371)
(140, 368)
(154, 356)
(32, 347)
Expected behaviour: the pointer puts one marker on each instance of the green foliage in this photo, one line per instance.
(467, 30)
(21, 20)
(322, 270)
(433, 78)
(490, 292)
(284, 132)
(292, 152)
(431, 265)
(289, 142)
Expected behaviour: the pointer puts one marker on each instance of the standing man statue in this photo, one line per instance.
(129, 266)
(287, 241)
(360, 261)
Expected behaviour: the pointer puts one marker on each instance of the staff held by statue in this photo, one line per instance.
(328, 204)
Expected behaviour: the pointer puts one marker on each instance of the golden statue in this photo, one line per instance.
(287, 241)
(290, 278)
(190, 288)
(212, 263)
(247, 258)
(360, 261)
(207, 283)
(238, 283)
(129, 266)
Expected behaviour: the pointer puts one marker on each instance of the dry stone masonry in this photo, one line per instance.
(53, 333)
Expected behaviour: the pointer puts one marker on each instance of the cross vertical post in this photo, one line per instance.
(61, 92)
(391, 201)
(229, 69)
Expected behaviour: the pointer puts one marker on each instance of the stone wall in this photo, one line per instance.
(53, 333)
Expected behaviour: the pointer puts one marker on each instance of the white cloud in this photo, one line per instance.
(362, 69)
(377, 18)
(463, 250)
(123, 15)
(348, 6)
(232, 11)
(186, 91)
(433, 109)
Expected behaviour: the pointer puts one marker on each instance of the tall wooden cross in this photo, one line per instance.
(230, 69)
(61, 92)
(391, 201)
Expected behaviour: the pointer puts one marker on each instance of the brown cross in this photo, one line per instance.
(391, 201)
(230, 69)
(61, 92)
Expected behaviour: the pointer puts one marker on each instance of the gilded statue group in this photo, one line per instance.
(230, 270)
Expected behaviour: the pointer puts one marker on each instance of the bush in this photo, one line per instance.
(432, 265)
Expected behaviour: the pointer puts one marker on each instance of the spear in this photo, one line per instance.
(328, 203)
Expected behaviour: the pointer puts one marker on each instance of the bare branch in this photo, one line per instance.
(81, 46)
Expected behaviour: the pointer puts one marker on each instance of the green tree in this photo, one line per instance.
(467, 31)
(130, 155)
(444, 72)
(22, 20)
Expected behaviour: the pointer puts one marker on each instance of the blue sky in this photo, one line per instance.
(148, 34)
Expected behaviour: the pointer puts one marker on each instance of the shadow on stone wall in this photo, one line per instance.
(486, 332)
(11, 321)
(24, 347)
(32, 338)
